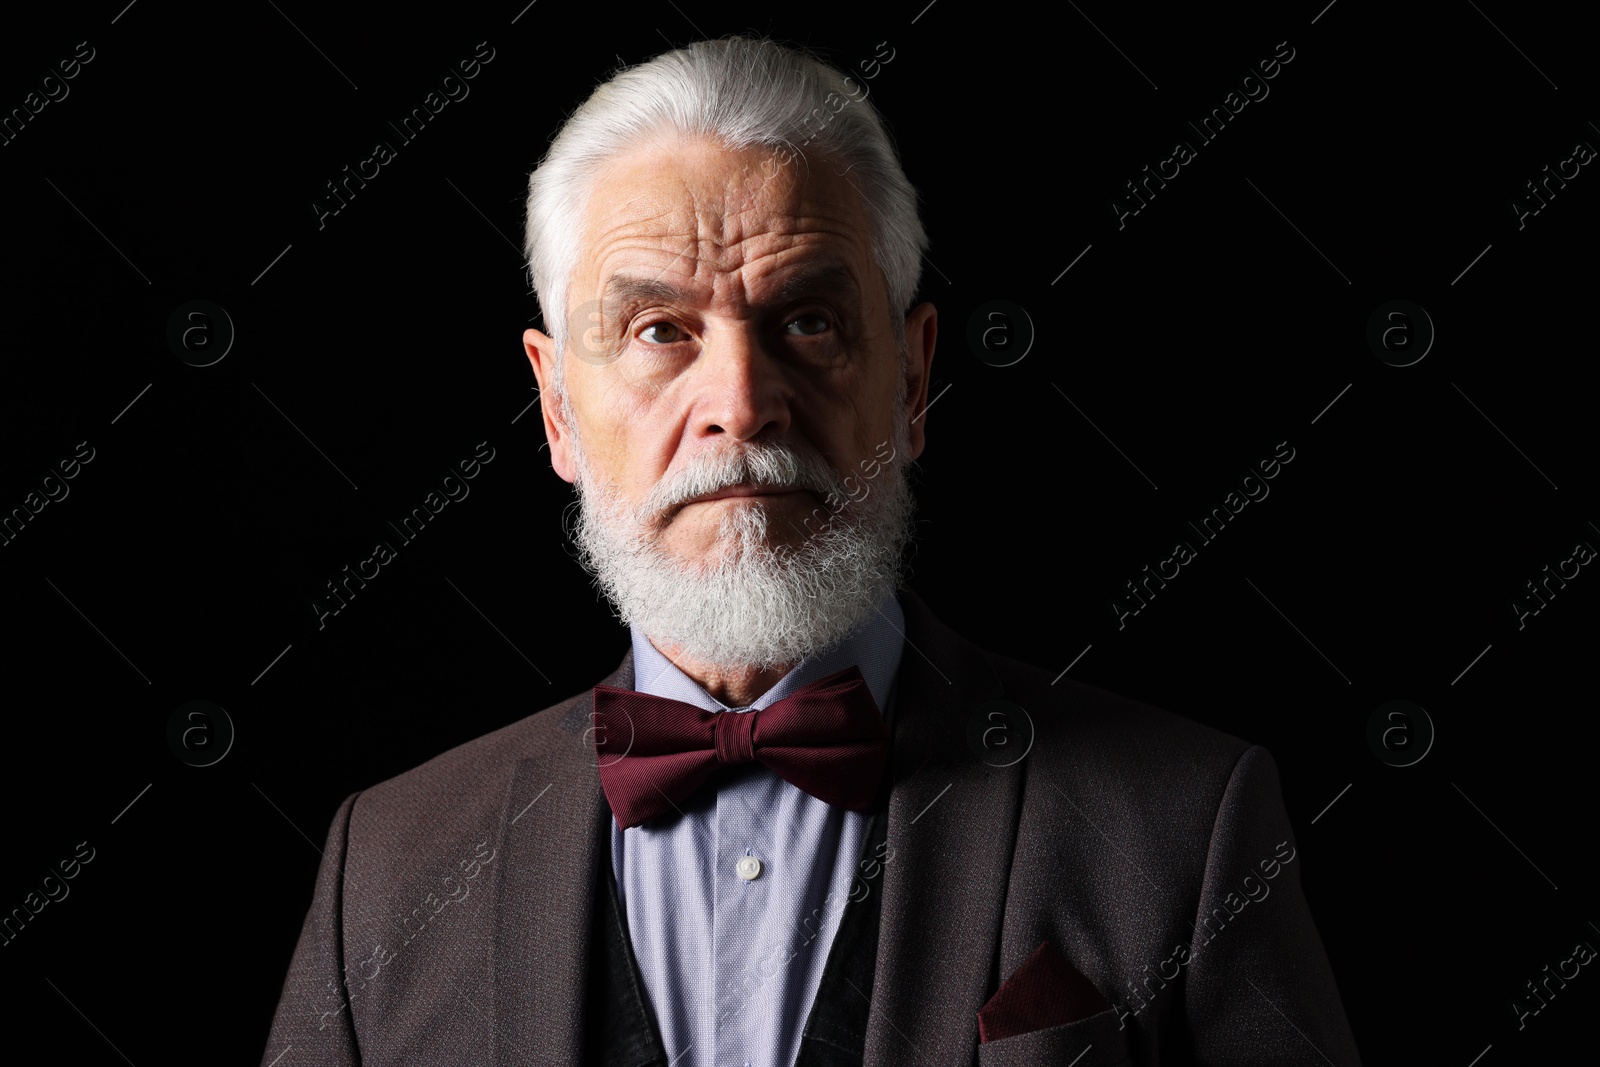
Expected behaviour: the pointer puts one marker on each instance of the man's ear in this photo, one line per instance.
(541, 351)
(922, 330)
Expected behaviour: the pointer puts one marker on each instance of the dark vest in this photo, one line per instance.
(620, 1026)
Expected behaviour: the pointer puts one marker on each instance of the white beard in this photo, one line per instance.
(755, 606)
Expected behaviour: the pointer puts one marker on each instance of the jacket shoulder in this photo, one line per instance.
(1159, 783)
(456, 800)
(1118, 728)
(1076, 727)
(466, 766)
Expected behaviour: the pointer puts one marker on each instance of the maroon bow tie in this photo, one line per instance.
(827, 738)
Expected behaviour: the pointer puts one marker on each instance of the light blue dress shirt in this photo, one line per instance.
(732, 951)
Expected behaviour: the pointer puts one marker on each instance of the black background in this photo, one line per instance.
(379, 349)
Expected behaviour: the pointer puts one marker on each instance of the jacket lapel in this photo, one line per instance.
(952, 825)
(552, 833)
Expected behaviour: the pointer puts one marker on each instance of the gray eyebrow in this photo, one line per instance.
(624, 289)
(818, 279)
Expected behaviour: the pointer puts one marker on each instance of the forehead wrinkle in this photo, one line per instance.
(776, 242)
(636, 216)
(722, 228)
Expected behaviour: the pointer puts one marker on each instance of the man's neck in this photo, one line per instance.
(736, 687)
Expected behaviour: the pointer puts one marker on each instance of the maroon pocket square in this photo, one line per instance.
(1045, 991)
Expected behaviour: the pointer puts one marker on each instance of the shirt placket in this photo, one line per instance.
(742, 894)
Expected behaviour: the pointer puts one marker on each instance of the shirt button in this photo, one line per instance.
(749, 868)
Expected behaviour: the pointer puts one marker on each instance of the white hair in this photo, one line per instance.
(745, 92)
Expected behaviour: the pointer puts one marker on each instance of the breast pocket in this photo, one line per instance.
(1096, 1041)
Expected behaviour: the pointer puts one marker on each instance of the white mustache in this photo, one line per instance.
(774, 464)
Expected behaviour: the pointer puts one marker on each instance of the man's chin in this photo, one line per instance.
(732, 553)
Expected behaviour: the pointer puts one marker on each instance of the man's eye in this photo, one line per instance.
(666, 333)
(808, 325)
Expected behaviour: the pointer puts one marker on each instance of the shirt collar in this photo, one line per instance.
(875, 647)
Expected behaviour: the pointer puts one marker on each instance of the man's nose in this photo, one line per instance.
(739, 387)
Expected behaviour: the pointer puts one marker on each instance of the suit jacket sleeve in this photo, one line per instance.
(313, 1013)
(1259, 988)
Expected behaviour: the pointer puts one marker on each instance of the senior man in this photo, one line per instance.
(803, 822)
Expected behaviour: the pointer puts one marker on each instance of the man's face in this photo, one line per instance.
(724, 301)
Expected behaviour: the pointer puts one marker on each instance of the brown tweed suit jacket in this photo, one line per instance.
(452, 913)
